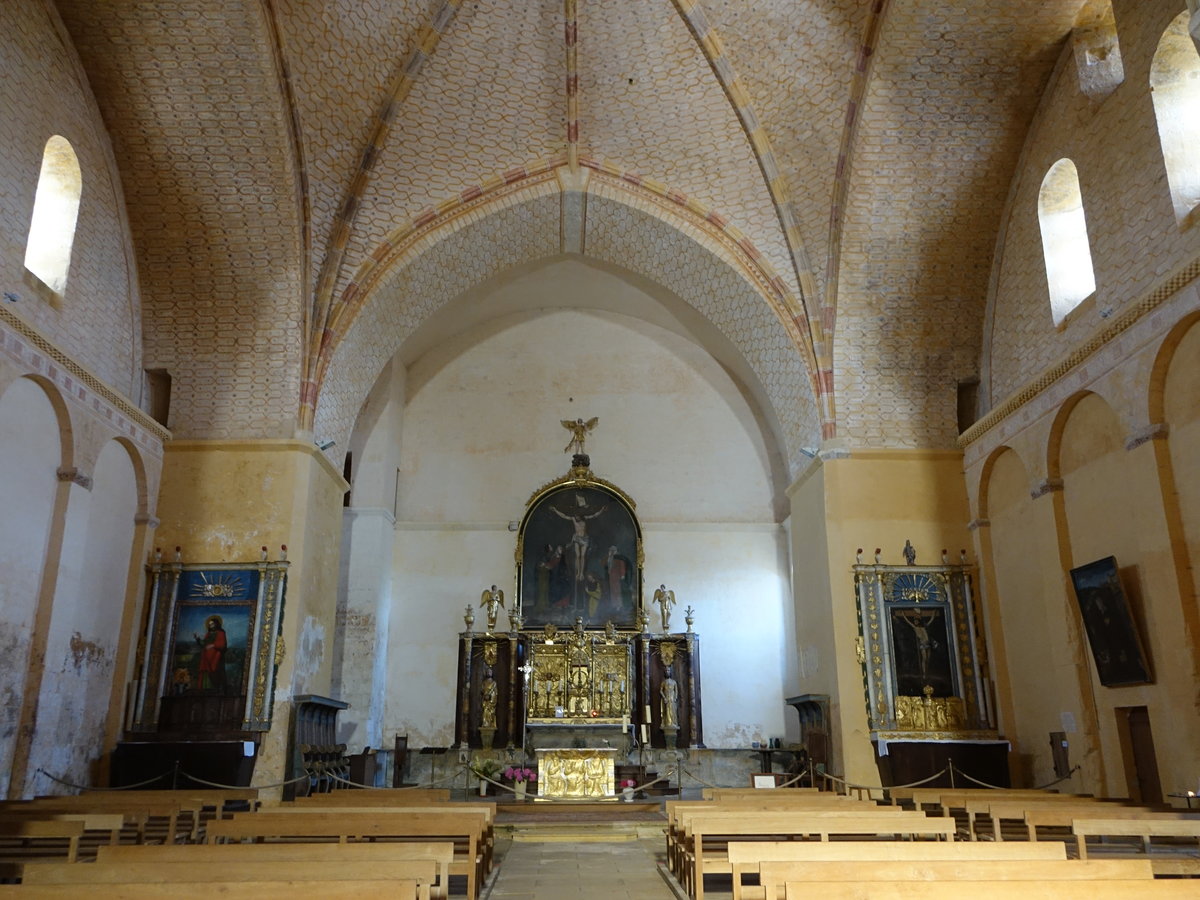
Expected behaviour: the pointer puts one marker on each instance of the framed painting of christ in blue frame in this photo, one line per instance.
(579, 554)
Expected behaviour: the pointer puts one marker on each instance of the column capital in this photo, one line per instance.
(75, 476)
(1145, 435)
(1046, 486)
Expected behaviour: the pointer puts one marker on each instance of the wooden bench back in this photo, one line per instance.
(349, 824)
(822, 822)
(1122, 889)
(249, 890)
(774, 875)
(746, 857)
(423, 871)
(381, 797)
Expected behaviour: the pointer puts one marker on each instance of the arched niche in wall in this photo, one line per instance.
(1180, 410)
(31, 447)
(89, 604)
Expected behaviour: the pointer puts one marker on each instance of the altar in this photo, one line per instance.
(583, 664)
(576, 774)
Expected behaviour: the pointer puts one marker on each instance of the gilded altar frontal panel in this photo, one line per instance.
(586, 774)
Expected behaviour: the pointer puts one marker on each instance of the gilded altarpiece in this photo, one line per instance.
(923, 660)
(211, 648)
(579, 667)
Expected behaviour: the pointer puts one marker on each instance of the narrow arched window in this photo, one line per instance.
(1068, 254)
(1097, 50)
(55, 209)
(1175, 87)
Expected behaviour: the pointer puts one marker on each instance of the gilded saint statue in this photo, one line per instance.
(488, 693)
(579, 430)
(665, 600)
(493, 601)
(668, 693)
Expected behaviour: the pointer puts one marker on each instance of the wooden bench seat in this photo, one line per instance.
(441, 853)
(775, 874)
(745, 858)
(422, 871)
(462, 827)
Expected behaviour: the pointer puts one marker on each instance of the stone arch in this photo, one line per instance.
(33, 445)
(983, 505)
(622, 230)
(1155, 396)
(1054, 440)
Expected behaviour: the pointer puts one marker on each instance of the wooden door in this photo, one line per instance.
(1141, 766)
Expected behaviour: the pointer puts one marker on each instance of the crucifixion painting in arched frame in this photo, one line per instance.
(579, 555)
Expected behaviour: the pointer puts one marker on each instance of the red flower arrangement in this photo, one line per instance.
(516, 773)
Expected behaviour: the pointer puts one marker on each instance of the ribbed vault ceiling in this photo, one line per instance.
(859, 150)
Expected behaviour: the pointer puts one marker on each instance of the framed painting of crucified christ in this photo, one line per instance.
(579, 555)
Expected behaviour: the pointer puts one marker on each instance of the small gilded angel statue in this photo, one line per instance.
(579, 430)
(492, 601)
(665, 600)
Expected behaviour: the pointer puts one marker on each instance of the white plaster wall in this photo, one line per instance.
(481, 433)
(31, 448)
(85, 623)
(363, 611)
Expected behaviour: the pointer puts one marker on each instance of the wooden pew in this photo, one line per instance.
(139, 811)
(423, 872)
(486, 811)
(380, 796)
(775, 874)
(998, 809)
(248, 890)
(441, 853)
(26, 836)
(462, 827)
(679, 812)
(745, 858)
(1146, 828)
(1062, 815)
(1082, 889)
(707, 836)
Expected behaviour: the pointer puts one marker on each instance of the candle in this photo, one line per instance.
(624, 724)
(646, 712)
(645, 734)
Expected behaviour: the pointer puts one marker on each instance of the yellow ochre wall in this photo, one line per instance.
(220, 502)
(868, 499)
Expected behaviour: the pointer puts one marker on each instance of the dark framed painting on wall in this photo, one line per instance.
(1108, 620)
(579, 554)
(921, 651)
